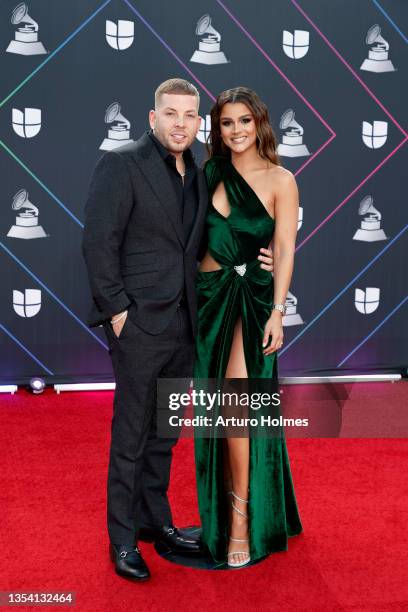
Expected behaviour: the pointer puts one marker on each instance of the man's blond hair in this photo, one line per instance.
(176, 86)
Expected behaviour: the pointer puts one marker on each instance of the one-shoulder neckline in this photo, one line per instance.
(252, 190)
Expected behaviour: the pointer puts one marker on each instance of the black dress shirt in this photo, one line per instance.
(187, 193)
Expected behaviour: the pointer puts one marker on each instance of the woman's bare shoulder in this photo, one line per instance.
(282, 178)
(277, 178)
(280, 172)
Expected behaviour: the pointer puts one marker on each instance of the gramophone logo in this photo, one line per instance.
(292, 140)
(295, 45)
(209, 50)
(370, 228)
(377, 60)
(26, 35)
(26, 225)
(27, 304)
(26, 123)
(292, 317)
(205, 129)
(120, 36)
(375, 134)
(367, 301)
(300, 218)
(119, 132)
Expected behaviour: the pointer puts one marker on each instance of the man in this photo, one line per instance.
(144, 220)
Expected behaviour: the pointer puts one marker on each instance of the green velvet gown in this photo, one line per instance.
(224, 295)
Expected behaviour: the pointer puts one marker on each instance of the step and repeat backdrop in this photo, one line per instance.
(77, 79)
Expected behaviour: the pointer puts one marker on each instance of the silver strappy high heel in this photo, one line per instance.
(238, 552)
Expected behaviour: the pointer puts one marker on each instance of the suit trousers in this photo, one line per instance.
(139, 462)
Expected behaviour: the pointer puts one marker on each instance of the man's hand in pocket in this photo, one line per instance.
(118, 322)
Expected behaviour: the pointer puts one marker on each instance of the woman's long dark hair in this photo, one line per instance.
(266, 140)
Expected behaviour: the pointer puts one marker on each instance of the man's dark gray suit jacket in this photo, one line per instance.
(133, 241)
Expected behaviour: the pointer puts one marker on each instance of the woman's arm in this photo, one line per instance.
(286, 220)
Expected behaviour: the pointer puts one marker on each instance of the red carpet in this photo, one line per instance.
(352, 496)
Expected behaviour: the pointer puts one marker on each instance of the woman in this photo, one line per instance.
(245, 491)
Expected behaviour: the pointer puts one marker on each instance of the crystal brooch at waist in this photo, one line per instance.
(240, 269)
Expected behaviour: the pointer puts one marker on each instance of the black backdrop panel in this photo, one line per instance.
(348, 296)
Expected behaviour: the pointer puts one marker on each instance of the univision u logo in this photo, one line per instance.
(374, 134)
(295, 45)
(26, 123)
(367, 301)
(205, 129)
(120, 36)
(27, 304)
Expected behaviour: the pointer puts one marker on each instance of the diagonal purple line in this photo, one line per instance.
(353, 72)
(169, 49)
(275, 66)
(315, 154)
(376, 169)
(350, 195)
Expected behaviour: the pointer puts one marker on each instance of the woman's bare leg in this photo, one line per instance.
(238, 454)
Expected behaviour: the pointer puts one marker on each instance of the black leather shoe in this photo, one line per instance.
(129, 562)
(176, 540)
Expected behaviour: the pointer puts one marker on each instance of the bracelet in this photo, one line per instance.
(119, 318)
(280, 307)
